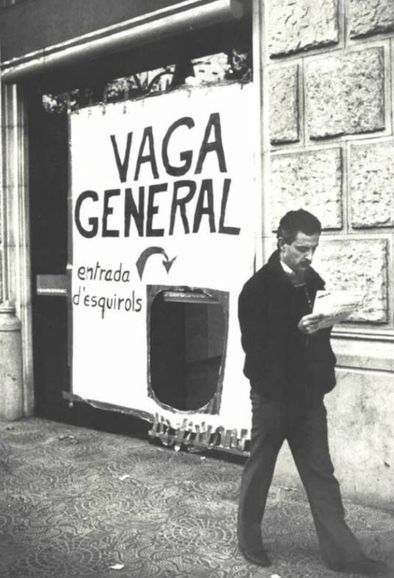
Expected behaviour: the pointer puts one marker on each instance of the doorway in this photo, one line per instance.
(201, 361)
(48, 177)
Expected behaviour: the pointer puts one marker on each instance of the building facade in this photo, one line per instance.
(320, 75)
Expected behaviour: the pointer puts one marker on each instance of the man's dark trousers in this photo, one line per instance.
(305, 428)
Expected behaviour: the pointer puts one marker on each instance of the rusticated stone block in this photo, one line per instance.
(358, 265)
(284, 125)
(371, 185)
(296, 25)
(345, 94)
(309, 180)
(370, 17)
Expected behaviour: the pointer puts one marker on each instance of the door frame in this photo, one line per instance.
(15, 220)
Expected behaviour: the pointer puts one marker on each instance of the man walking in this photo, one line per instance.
(290, 365)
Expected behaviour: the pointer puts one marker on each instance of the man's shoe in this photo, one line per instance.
(258, 557)
(364, 565)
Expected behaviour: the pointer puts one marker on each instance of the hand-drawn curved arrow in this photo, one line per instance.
(142, 259)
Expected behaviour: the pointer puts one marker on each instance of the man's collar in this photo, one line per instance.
(274, 265)
(286, 268)
(296, 277)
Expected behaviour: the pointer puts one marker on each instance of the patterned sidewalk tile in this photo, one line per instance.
(79, 503)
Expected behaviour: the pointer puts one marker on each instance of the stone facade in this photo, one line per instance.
(340, 166)
(345, 93)
(332, 141)
(371, 184)
(312, 180)
(368, 17)
(284, 104)
(299, 25)
(358, 265)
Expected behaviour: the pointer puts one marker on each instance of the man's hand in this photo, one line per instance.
(310, 323)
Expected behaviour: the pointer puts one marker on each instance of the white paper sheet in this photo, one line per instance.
(335, 306)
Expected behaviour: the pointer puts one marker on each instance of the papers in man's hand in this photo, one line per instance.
(335, 306)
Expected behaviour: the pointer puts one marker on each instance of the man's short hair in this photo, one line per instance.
(298, 221)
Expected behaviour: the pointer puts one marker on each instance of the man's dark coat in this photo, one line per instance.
(280, 360)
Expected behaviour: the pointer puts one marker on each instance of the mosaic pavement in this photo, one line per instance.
(80, 503)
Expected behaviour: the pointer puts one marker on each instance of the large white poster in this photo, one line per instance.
(162, 195)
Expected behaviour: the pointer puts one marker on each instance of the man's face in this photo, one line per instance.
(298, 254)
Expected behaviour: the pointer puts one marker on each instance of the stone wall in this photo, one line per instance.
(329, 69)
(327, 74)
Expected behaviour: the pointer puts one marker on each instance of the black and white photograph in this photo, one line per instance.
(196, 288)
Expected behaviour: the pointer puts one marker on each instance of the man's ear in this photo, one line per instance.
(281, 243)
